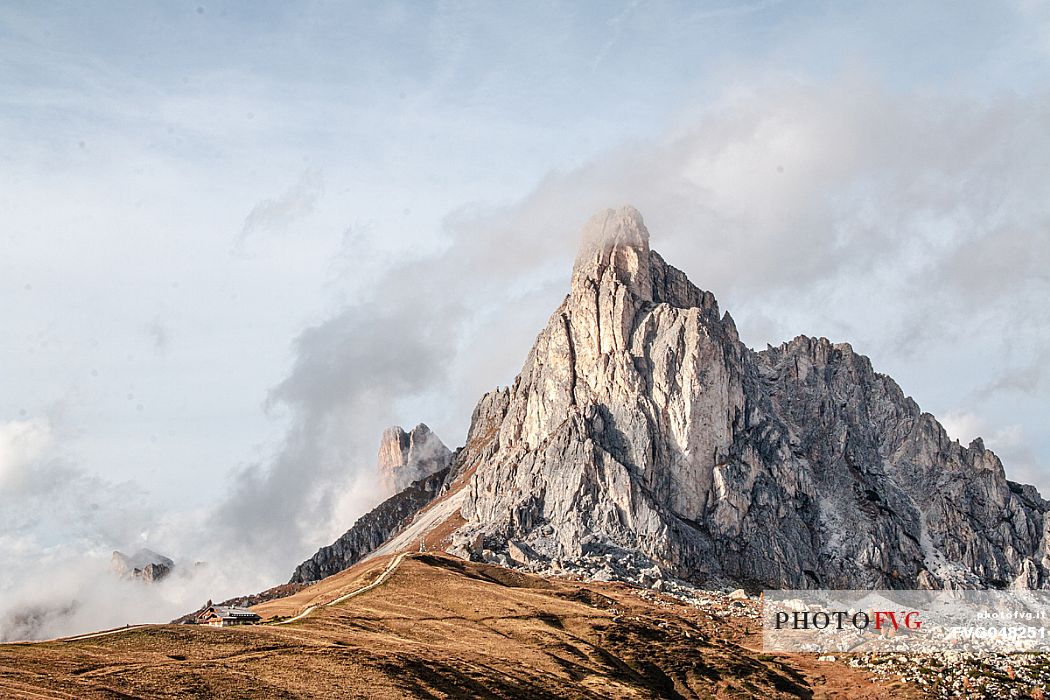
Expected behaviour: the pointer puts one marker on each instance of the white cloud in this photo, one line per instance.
(962, 425)
(59, 526)
(274, 215)
(1009, 442)
(22, 443)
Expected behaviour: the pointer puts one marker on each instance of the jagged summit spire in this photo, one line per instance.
(616, 239)
(610, 228)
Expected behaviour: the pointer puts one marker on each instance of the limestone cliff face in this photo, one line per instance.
(640, 425)
(408, 457)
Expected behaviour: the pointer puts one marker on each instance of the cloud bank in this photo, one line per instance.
(59, 526)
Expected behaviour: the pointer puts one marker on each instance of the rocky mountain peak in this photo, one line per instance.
(405, 457)
(642, 431)
(615, 244)
(144, 565)
(643, 439)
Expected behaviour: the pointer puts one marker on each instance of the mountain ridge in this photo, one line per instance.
(642, 432)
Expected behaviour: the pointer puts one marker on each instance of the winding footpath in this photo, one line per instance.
(387, 573)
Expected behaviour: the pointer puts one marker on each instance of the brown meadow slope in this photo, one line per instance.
(434, 626)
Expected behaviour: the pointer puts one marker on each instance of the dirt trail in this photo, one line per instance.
(387, 572)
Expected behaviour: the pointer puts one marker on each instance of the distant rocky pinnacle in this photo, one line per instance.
(643, 439)
(412, 468)
(408, 457)
(144, 565)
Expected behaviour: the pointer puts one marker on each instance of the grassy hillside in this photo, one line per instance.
(436, 626)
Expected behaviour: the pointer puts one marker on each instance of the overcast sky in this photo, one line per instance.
(240, 239)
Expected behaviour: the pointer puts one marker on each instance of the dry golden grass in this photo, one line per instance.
(438, 627)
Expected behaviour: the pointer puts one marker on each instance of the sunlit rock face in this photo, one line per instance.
(640, 426)
(405, 457)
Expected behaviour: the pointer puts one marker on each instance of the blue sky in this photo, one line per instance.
(240, 239)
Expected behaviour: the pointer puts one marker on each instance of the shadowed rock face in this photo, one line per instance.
(370, 531)
(641, 424)
(412, 468)
(408, 457)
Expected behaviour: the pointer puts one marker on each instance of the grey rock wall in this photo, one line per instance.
(640, 425)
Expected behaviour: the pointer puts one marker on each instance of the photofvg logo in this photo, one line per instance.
(827, 621)
(879, 620)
